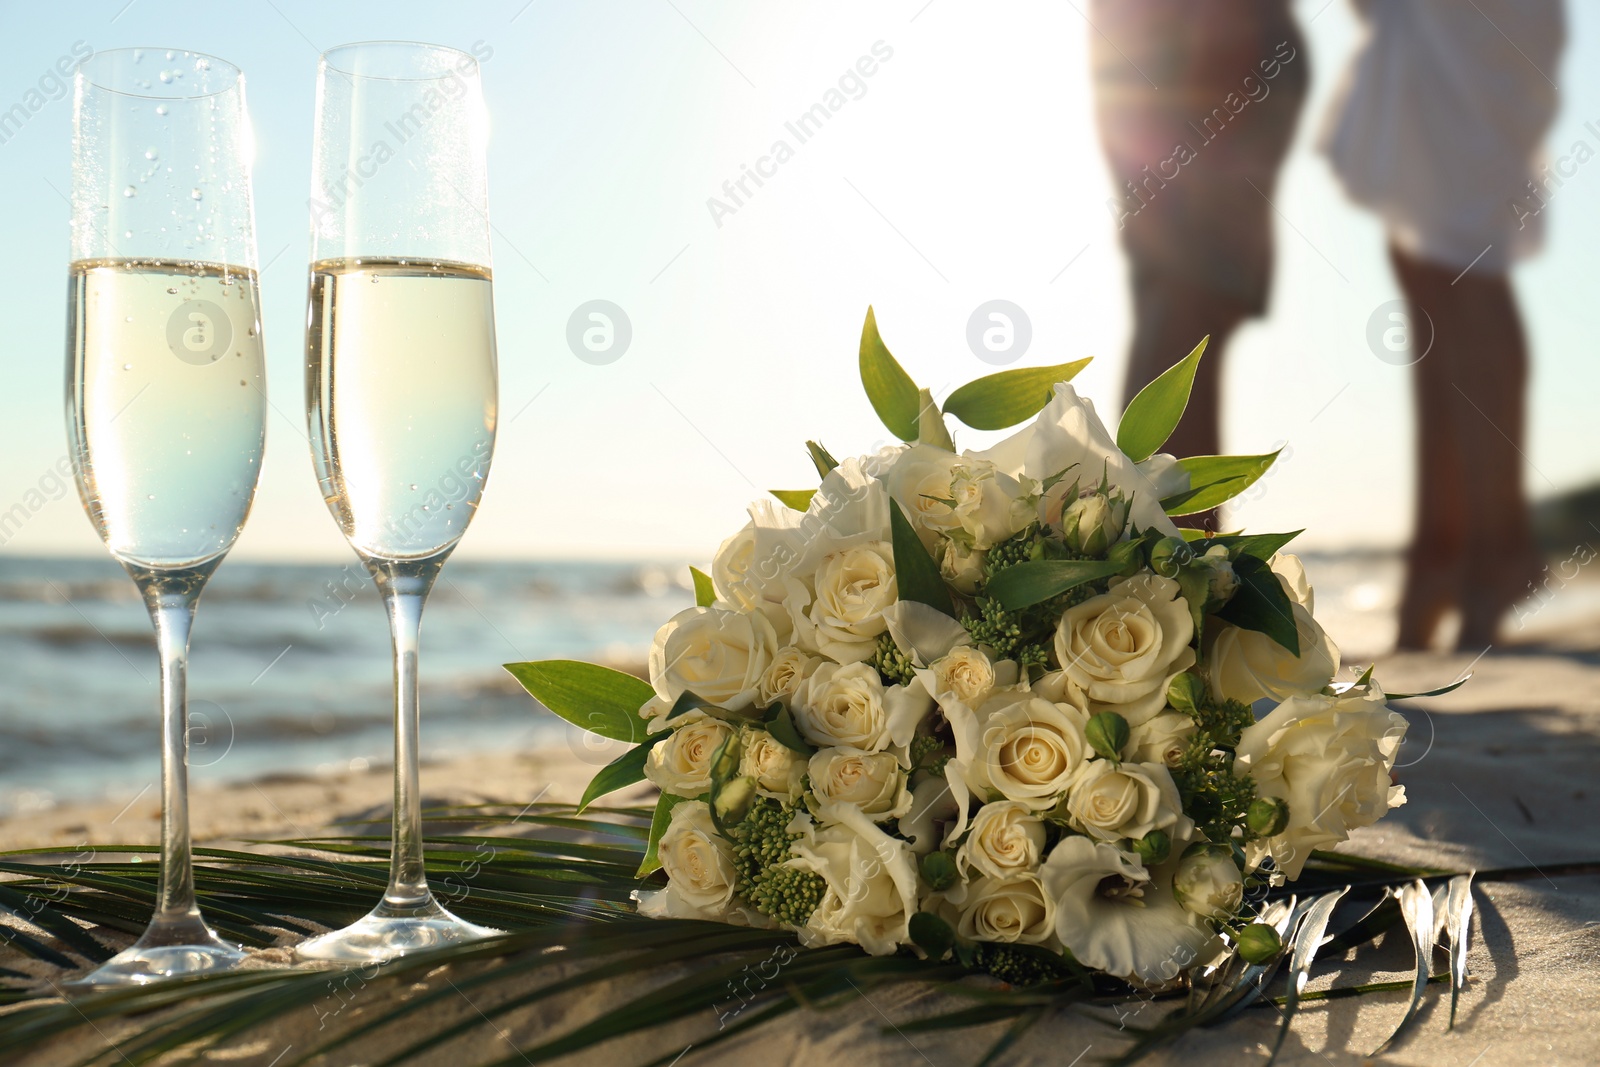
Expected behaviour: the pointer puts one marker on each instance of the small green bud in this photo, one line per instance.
(1168, 554)
(1267, 816)
(939, 870)
(1259, 943)
(733, 800)
(1153, 848)
(931, 934)
(1107, 733)
(1129, 555)
(1187, 693)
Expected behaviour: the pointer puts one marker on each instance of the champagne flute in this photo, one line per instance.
(165, 390)
(401, 387)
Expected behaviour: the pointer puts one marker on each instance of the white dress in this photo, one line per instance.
(1438, 125)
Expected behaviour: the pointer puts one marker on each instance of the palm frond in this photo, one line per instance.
(560, 884)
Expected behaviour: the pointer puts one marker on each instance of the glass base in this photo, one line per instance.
(167, 949)
(388, 932)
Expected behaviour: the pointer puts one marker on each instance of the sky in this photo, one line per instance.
(965, 168)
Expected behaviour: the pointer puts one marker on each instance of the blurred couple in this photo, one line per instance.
(1436, 129)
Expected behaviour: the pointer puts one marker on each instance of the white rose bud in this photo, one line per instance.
(1164, 739)
(681, 765)
(961, 566)
(873, 782)
(1208, 883)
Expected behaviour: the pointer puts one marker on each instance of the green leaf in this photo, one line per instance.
(916, 574)
(598, 699)
(658, 826)
(783, 730)
(688, 702)
(996, 401)
(1260, 604)
(1154, 413)
(1261, 546)
(890, 389)
(1439, 692)
(821, 459)
(705, 590)
(621, 772)
(795, 499)
(1027, 584)
(1216, 479)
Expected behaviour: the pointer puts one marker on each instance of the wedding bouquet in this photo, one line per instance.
(995, 705)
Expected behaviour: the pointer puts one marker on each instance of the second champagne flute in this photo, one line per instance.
(400, 383)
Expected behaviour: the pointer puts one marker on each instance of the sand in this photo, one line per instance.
(1500, 773)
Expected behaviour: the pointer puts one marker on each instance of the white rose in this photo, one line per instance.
(1246, 665)
(730, 568)
(1122, 648)
(1005, 839)
(983, 500)
(1329, 758)
(716, 653)
(873, 782)
(681, 765)
(961, 566)
(920, 482)
(843, 706)
(1163, 739)
(1113, 917)
(1113, 801)
(779, 771)
(782, 678)
(964, 673)
(870, 881)
(1208, 882)
(1007, 909)
(1029, 751)
(843, 615)
(701, 875)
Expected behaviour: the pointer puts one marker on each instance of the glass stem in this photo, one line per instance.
(404, 586)
(170, 596)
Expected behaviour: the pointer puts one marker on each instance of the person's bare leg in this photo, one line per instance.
(1472, 546)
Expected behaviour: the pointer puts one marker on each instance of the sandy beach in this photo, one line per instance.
(1498, 774)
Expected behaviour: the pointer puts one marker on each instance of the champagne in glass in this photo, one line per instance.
(165, 390)
(400, 383)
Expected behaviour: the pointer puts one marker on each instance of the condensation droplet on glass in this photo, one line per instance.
(128, 366)
(166, 77)
(172, 55)
(127, 233)
(172, 290)
(129, 191)
(161, 109)
(152, 496)
(195, 194)
(413, 487)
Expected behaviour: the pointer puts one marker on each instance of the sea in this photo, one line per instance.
(290, 669)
